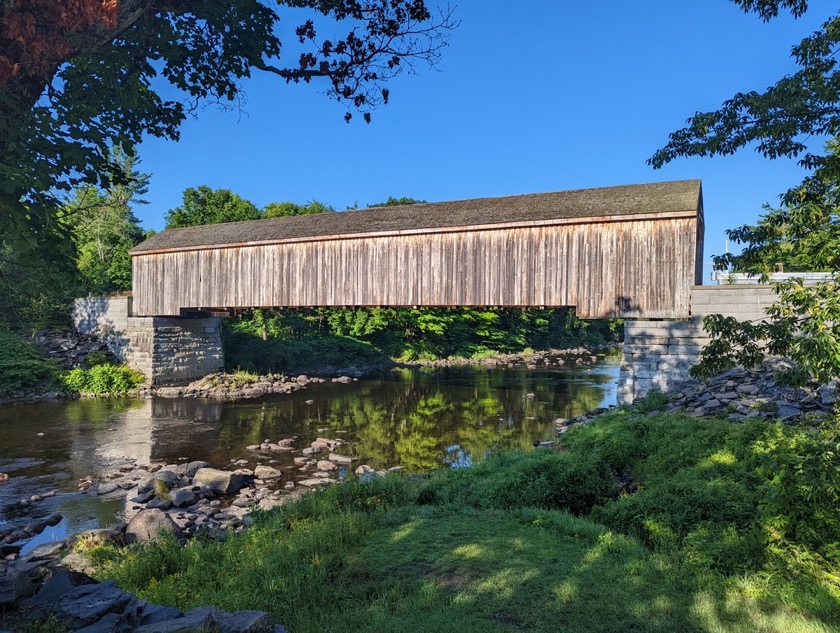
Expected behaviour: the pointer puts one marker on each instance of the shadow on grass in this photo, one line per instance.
(442, 570)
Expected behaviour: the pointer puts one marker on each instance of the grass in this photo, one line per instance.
(538, 541)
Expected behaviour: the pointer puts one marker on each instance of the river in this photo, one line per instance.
(420, 419)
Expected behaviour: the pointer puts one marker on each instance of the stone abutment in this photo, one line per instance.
(659, 354)
(167, 350)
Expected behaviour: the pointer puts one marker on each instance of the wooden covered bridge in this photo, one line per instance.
(629, 251)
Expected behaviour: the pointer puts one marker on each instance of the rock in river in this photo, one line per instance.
(149, 524)
(221, 481)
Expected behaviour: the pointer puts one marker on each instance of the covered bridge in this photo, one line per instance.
(629, 251)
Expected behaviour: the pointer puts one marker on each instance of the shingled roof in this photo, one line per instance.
(662, 197)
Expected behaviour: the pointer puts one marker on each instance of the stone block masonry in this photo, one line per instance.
(659, 354)
(167, 350)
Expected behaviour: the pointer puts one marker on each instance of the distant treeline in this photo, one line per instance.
(269, 341)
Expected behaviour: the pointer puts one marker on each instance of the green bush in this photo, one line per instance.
(102, 379)
(21, 366)
(726, 495)
(518, 479)
(801, 469)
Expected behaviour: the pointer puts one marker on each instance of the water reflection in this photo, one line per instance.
(419, 419)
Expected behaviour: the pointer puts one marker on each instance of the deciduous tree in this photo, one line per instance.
(80, 76)
(104, 228)
(804, 323)
(780, 120)
(283, 209)
(203, 205)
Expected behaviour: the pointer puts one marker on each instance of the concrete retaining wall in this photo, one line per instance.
(659, 354)
(167, 350)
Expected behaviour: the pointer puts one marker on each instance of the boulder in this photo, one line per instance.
(46, 551)
(193, 467)
(99, 536)
(144, 497)
(169, 478)
(221, 481)
(311, 483)
(148, 525)
(266, 472)
(828, 393)
(182, 497)
(159, 503)
(152, 614)
(85, 605)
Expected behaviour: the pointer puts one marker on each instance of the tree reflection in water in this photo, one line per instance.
(422, 419)
(418, 419)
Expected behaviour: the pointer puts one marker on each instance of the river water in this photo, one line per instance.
(420, 419)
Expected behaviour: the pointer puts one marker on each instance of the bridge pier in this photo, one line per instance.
(659, 354)
(167, 350)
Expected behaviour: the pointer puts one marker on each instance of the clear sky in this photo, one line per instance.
(532, 96)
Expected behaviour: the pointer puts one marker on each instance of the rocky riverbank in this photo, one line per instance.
(192, 496)
(39, 589)
(530, 359)
(184, 499)
(740, 394)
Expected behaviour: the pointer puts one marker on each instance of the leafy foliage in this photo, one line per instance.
(21, 366)
(540, 479)
(263, 340)
(253, 354)
(781, 119)
(34, 293)
(104, 228)
(396, 202)
(102, 379)
(77, 77)
(283, 209)
(804, 322)
(801, 468)
(204, 205)
(730, 496)
(803, 235)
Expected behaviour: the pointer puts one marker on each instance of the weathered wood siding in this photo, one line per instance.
(628, 268)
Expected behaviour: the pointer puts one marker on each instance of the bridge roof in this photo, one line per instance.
(581, 205)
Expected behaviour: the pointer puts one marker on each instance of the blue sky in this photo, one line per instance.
(547, 96)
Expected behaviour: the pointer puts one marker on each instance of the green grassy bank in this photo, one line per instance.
(718, 527)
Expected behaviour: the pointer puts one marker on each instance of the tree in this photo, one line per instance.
(781, 119)
(396, 202)
(78, 77)
(804, 323)
(210, 206)
(104, 227)
(283, 209)
(802, 235)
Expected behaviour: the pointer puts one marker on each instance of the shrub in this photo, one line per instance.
(103, 379)
(801, 468)
(21, 366)
(518, 479)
